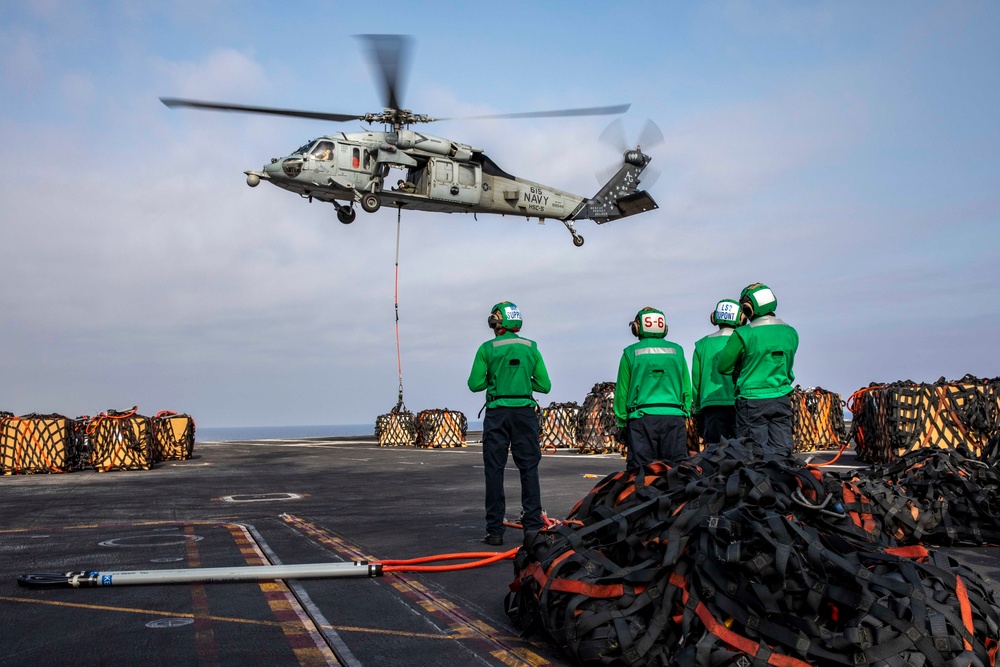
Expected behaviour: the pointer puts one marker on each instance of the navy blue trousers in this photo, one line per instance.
(717, 422)
(514, 430)
(766, 421)
(655, 438)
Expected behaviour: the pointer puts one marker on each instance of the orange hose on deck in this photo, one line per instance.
(402, 566)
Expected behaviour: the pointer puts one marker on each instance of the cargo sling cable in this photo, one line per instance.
(351, 569)
(399, 356)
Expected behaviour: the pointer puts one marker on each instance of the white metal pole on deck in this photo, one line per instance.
(200, 574)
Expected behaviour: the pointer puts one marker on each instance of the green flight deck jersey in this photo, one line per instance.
(509, 368)
(710, 387)
(653, 379)
(762, 353)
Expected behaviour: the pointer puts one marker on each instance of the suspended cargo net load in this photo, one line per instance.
(441, 428)
(817, 419)
(892, 419)
(396, 428)
(36, 444)
(173, 436)
(596, 425)
(739, 556)
(558, 424)
(120, 441)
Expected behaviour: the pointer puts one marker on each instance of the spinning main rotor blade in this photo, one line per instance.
(649, 137)
(387, 54)
(586, 111)
(215, 106)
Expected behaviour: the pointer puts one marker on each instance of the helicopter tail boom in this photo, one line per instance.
(620, 197)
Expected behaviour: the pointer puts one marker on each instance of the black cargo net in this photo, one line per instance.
(441, 428)
(596, 425)
(890, 420)
(934, 496)
(817, 419)
(557, 426)
(120, 440)
(173, 436)
(36, 444)
(739, 556)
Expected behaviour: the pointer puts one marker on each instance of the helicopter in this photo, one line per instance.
(436, 174)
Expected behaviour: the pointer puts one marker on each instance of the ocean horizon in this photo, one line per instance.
(231, 433)
(228, 433)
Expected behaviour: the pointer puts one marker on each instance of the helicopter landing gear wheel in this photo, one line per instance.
(371, 202)
(346, 214)
(577, 240)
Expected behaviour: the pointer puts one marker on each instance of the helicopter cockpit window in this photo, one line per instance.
(302, 150)
(323, 150)
(442, 172)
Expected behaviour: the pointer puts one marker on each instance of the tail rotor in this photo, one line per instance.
(614, 135)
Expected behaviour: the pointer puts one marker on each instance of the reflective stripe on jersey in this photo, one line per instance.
(655, 350)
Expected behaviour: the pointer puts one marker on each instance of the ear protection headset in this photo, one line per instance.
(504, 316)
(746, 309)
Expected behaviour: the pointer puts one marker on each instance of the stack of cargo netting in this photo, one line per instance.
(740, 556)
(890, 420)
(120, 440)
(935, 496)
(37, 444)
(173, 436)
(558, 424)
(694, 440)
(441, 428)
(396, 428)
(817, 419)
(113, 440)
(596, 425)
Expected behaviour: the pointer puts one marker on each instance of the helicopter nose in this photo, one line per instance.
(288, 167)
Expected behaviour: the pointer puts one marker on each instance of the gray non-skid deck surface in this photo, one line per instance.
(289, 502)
(347, 499)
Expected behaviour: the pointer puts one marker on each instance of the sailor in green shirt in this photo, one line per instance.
(652, 394)
(760, 355)
(510, 368)
(714, 396)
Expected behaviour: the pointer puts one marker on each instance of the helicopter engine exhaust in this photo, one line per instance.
(406, 139)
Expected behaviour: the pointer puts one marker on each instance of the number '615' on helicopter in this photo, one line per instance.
(434, 173)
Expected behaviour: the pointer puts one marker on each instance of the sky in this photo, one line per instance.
(847, 154)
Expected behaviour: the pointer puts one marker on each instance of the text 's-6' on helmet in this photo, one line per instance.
(726, 313)
(506, 316)
(756, 300)
(649, 323)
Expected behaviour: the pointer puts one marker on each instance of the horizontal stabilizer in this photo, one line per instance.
(637, 202)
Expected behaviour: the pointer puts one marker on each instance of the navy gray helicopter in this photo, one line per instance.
(435, 174)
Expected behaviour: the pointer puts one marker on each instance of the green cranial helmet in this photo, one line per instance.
(505, 315)
(756, 300)
(726, 313)
(649, 323)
